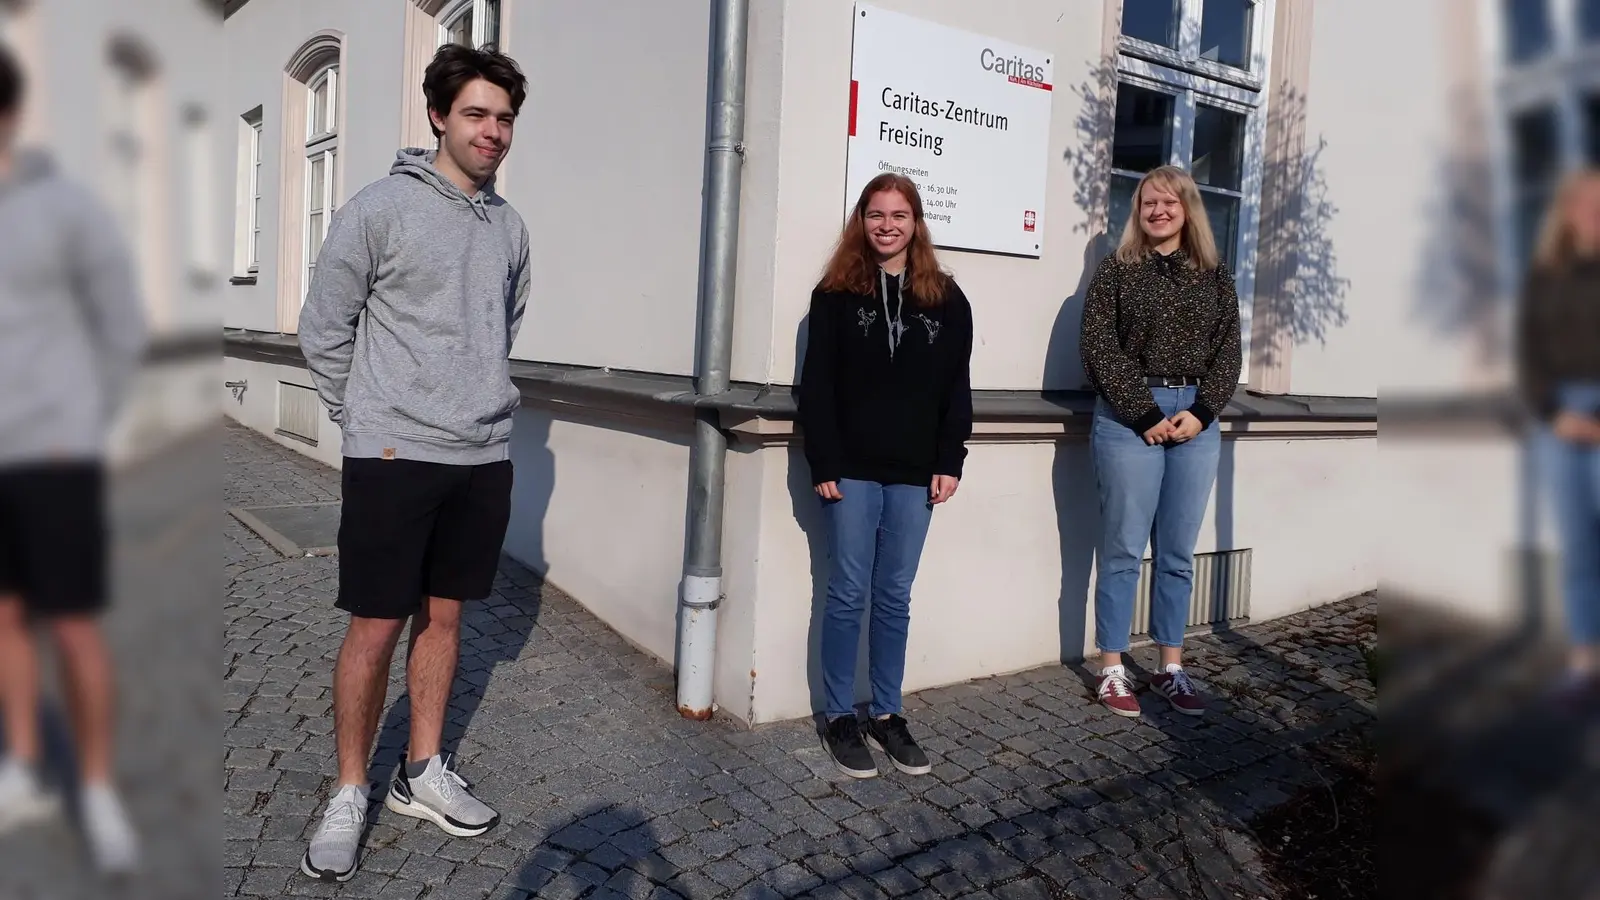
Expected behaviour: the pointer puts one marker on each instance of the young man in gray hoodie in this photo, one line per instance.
(418, 294)
(72, 332)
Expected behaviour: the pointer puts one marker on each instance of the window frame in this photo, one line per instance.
(1186, 57)
(320, 146)
(1562, 80)
(254, 158)
(249, 194)
(484, 25)
(1196, 84)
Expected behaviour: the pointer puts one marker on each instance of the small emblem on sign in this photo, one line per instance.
(1027, 220)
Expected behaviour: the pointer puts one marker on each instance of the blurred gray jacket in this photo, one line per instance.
(72, 327)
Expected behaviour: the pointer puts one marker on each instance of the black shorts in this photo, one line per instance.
(53, 537)
(413, 529)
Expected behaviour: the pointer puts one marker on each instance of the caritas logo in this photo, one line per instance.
(1027, 220)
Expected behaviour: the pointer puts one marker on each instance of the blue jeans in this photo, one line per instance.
(875, 536)
(1149, 493)
(1573, 475)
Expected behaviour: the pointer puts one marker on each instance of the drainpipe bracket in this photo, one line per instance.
(702, 591)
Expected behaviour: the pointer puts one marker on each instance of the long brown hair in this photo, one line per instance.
(853, 268)
(1558, 245)
(1198, 241)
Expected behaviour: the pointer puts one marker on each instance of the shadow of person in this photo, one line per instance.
(1072, 474)
(494, 631)
(613, 846)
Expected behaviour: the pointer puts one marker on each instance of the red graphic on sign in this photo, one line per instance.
(1028, 82)
(854, 88)
(1027, 220)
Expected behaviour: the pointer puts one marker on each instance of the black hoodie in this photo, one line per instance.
(885, 392)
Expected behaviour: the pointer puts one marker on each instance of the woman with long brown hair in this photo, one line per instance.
(886, 410)
(1161, 344)
(1559, 361)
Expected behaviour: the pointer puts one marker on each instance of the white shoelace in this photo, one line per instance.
(447, 781)
(1181, 684)
(341, 815)
(1115, 685)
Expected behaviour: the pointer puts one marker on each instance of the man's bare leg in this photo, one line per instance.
(19, 682)
(430, 671)
(22, 798)
(86, 677)
(360, 687)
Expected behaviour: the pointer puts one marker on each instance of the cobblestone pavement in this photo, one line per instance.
(161, 627)
(606, 792)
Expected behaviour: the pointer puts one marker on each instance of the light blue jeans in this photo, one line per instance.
(875, 537)
(1155, 495)
(1572, 473)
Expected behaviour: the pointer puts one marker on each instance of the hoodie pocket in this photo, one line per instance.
(461, 397)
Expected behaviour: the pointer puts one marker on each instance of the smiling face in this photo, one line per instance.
(1161, 215)
(890, 224)
(476, 133)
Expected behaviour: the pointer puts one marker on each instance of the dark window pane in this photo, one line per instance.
(491, 24)
(1225, 31)
(1527, 25)
(1121, 206)
(1223, 211)
(1591, 121)
(1531, 205)
(1155, 21)
(1589, 19)
(1535, 146)
(1143, 136)
(1218, 147)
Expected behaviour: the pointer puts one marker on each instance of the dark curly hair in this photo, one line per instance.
(455, 66)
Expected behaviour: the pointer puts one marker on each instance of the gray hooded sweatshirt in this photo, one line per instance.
(72, 325)
(418, 293)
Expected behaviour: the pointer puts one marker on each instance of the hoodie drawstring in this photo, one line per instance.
(895, 325)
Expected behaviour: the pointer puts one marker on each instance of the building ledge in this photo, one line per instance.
(744, 402)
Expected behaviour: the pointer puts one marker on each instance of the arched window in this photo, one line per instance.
(475, 23)
(313, 117)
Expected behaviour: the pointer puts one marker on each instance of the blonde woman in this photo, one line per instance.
(1559, 351)
(1160, 343)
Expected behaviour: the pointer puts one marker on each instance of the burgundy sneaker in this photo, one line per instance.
(1179, 691)
(1116, 692)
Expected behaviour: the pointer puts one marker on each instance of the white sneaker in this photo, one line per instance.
(23, 801)
(442, 797)
(112, 843)
(337, 843)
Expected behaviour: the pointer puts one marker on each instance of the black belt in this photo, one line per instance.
(1172, 381)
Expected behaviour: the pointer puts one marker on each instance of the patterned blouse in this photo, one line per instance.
(1159, 316)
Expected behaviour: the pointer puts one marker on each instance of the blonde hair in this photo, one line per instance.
(1557, 245)
(1197, 240)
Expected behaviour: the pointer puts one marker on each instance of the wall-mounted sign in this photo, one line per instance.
(965, 116)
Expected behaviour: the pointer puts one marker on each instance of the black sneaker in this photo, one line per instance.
(850, 754)
(891, 736)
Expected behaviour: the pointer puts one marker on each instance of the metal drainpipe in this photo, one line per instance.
(702, 572)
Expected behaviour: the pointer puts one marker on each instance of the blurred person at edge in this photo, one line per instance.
(71, 337)
(1558, 352)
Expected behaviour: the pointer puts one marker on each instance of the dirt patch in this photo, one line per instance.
(1321, 843)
